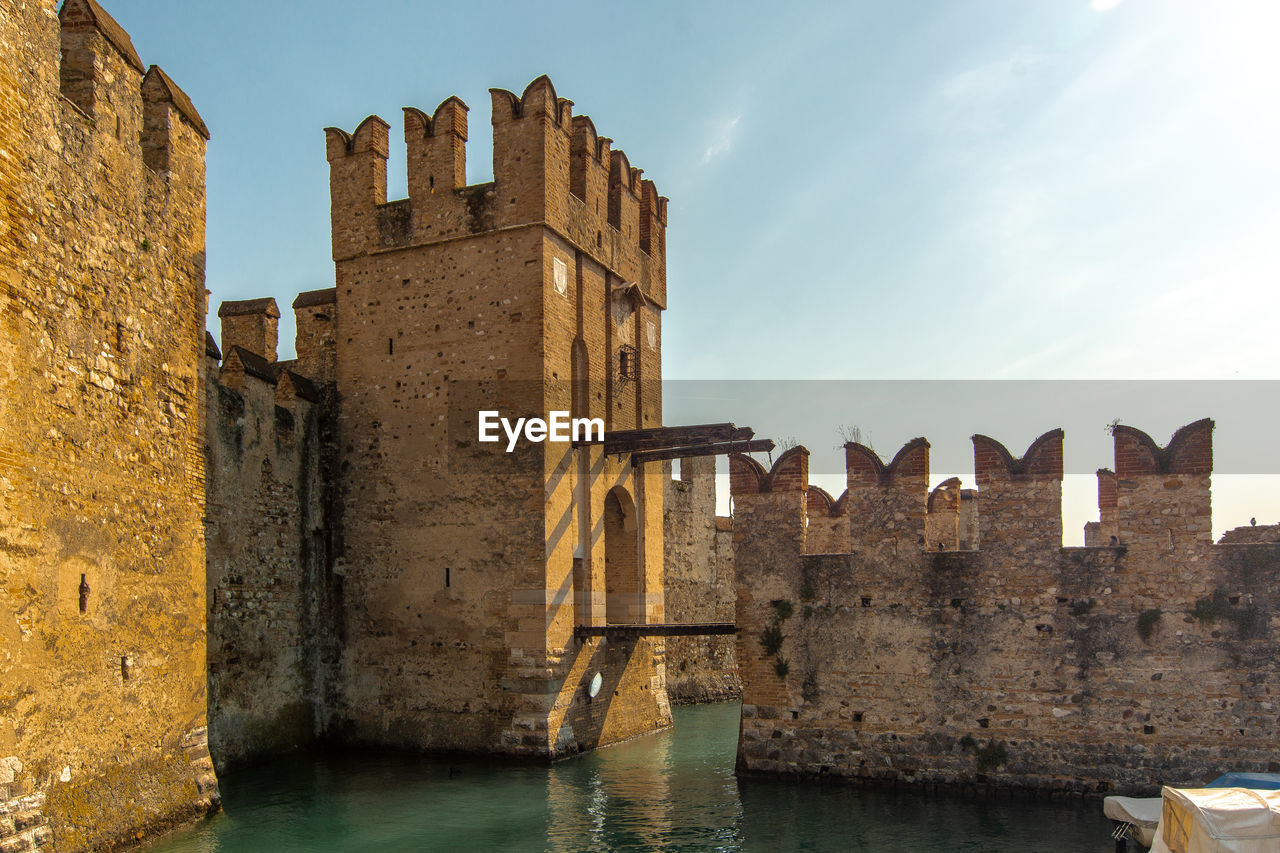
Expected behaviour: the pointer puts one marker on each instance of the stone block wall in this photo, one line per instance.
(102, 301)
(698, 552)
(272, 596)
(1020, 665)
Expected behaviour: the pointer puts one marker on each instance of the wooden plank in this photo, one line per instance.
(634, 439)
(670, 442)
(760, 445)
(668, 629)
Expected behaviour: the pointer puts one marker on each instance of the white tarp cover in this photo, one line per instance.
(1142, 815)
(1218, 820)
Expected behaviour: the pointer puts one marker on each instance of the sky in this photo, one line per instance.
(971, 190)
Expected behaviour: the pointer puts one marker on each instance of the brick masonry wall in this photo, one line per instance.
(698, 551)
(1041, 668)
(101, 474)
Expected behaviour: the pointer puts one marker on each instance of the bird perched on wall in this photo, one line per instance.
(1253, 522)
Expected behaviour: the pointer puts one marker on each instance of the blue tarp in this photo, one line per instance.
(1256, 781)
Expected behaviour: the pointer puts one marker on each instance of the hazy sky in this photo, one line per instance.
(945, 190)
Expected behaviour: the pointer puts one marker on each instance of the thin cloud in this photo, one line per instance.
(724, 136)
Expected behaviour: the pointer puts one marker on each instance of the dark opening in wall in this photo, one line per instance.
(857, 716)
(391, 346)
(1148, 730)
(126, 666)
(628, 363)
(866, 602)
(447, 578)
(84, 594)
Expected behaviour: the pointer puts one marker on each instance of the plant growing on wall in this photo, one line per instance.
(772, 638)
(852, 434)
(1219, 606)
(992, 756)
(1080, 607)
(989, 757)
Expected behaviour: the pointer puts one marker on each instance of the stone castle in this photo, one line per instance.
(211, 555)
(442, 579)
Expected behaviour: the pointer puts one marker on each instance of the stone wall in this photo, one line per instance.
(698, 552)
(102, 301)
(1251, 535)
(272, 596)
(466, 569)
(1020, 665)
(378, 575)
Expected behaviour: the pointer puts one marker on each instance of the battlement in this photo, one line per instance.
(887, 660)
(789, 474)
(887, 503)
(315, 315)
(252, 324)
(131, 106)
(1162, 499)
(1162, 494)
(550, 167)
(1190, 451)
(1022, 497)
(993, 462)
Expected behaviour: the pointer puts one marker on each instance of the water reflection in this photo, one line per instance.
(663, 792)
(671, 791)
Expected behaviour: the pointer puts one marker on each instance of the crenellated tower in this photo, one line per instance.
(539, 291)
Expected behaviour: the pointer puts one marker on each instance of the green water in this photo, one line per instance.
(670, 791)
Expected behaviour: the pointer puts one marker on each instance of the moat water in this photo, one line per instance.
(670, 791)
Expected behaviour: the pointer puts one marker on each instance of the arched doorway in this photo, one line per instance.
(621, 558)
